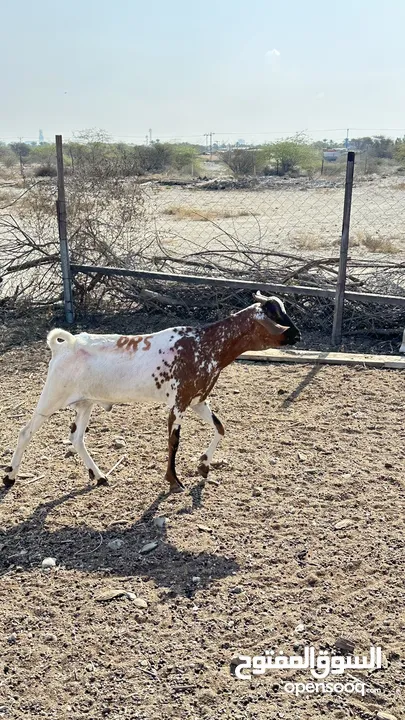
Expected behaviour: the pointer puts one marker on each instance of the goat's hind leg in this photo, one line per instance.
(77, 429)
(174, 439)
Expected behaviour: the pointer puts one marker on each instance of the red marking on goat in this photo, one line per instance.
(132, 342)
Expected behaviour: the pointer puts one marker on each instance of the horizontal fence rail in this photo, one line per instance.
(239, 284)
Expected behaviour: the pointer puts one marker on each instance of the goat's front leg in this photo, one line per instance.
(49, 402)
(24, 439)
(174, 439)
(78, 428)
(204, 411)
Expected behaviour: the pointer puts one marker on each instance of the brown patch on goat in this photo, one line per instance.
(174, 439)
(203, 469)
(218, 424)
(73, 428)
(202, 354)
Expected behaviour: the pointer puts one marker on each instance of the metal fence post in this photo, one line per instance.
(62, 224)
(344, 246)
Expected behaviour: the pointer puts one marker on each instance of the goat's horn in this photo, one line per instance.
(260, 298)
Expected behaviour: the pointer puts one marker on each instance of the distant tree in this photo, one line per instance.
(290, 155)
(399, 150)
(7, 156)
(379, 146)
(241, 162)
(22, 150)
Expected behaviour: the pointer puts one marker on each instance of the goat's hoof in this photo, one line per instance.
(8, 481)
(176, 486)
(203, 470)
(102, 481)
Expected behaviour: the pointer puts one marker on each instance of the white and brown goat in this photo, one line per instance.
(178, 366)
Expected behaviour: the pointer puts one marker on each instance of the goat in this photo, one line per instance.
(178, 366)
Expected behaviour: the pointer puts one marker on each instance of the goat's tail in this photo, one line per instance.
(60, 339)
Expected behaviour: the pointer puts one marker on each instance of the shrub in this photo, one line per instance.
(46, 170)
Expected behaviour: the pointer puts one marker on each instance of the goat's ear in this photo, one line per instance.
(272, 327)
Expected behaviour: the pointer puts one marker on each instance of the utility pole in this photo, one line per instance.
(211, 134)
(206, 142)
(150, 136)
(146, 140)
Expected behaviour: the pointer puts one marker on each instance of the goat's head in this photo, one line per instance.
(275, 327)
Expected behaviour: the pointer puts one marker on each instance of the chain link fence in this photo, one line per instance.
(268, 229)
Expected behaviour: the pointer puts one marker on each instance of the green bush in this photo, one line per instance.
(290, 156)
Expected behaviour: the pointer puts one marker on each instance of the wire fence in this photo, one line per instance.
(266, 229)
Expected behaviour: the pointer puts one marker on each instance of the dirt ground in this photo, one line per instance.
(305, 447)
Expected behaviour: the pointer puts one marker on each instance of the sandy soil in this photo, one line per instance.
(305, 448)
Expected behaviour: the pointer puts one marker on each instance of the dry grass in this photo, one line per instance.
(399, 186)
(307, 241)
(6, 197)
(182, 212)
(374, 243)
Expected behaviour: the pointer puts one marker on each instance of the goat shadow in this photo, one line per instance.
(85, 548)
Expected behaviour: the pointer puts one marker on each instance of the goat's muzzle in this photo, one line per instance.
(292, 336)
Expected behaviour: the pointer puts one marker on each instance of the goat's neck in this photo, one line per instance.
(229, 338)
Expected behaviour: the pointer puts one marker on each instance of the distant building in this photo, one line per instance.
(240, 142)
(333, 154)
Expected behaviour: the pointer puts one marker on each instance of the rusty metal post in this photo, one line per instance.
(344, 247)
(63, 240)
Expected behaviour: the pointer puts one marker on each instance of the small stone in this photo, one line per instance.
(343, 524)
(257, 491)
(148, 547)
(234, 663)
(160, 522)
(300, 628)
(48, 562)
(345, 645)
(71, 452)
(138, 602)
(119, 443)
(381, 715)
(236, 590)
(12, 639)
(212, 482)
(204, 528)
(196, 579)
(115, 544)
(301, 457)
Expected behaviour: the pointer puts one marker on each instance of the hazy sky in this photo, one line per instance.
(252, 69)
